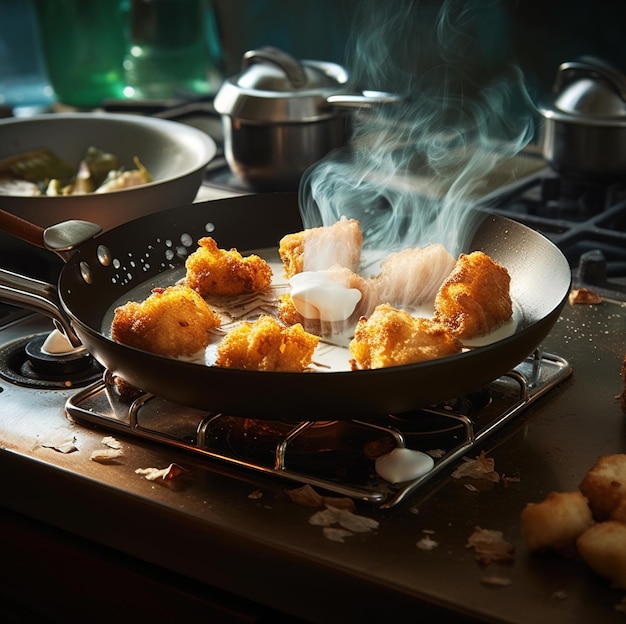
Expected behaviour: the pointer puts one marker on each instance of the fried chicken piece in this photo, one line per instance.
(603, 548)
(475, 298)
(265, 345)
(556, 522)
(286, 312)
(214, 271)
(316, 249)
(605, 487)
(174, 321)
(412, 277)
(391, 337)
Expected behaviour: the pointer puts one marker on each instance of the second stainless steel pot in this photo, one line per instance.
(584, 134)
(281, 115)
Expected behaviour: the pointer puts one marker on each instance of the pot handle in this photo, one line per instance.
(366, 99)
(593, 66)
(292, 68)
(61, 238)
(32, 294)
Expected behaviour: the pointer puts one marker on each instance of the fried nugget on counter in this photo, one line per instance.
(214, 271)
(605, 487)
(603, 548)
(266, 345)
(317, 249)
(556, 522)
(174, 321)
(391, 337)
(475, 298)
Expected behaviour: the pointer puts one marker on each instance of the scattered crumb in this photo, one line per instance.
(496, 581)
(480, 468)
(426, 543)
(583, 295)
(256, 495)
(560, 595)
(349, 522)
(490, 546)
(61, 441)
(164, 474)
(308, 497)
(104, 456)
(111, 442)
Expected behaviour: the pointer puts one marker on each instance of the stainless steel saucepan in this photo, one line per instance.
(280, 115)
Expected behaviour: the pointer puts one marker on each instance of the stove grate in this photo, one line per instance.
(336, 457)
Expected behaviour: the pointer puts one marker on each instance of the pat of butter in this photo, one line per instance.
(316, 295)
(403, 464)
(57, 344)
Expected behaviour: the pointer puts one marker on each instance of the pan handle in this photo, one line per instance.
(61, 238)
(22, 229)
(32, 294)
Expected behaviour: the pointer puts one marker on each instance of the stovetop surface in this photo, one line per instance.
(215, 529)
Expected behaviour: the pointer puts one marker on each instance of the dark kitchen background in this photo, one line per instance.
(535, 36)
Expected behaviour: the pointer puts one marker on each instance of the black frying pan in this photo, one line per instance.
(137, 252)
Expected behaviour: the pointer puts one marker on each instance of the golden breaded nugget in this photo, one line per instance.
(605, 487)
(603, 547)
(214, 271)
(174, 321)
(475, 297)
(265, 345)
(557, 521)
(325, 246)
(391, 337)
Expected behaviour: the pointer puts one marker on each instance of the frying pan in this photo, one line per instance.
(99, 273)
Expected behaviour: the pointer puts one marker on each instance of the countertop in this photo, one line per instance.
(243, 542)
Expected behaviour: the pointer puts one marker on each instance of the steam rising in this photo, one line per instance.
(414, 169)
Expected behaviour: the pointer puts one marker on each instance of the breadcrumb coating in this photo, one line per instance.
(174, 321)
(605, 487)
(391, 337)
(265, 345)
(603, 547)
(475, 297)
(557, 521)
(214, 271)
(325, 246)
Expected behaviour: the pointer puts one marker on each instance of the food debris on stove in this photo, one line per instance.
(349, 523)
(112, 452)
(584, 295)
(61, 441)
(173, 477)
(490, 546)
(426, 542)
(482, 467)
(307, 496)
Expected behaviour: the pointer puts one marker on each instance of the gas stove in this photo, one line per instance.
(534, 422)
(586, 222)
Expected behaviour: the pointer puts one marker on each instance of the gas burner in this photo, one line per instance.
(335, 456)
(23, 362)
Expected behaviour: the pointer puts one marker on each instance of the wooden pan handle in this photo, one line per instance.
(22, 229)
